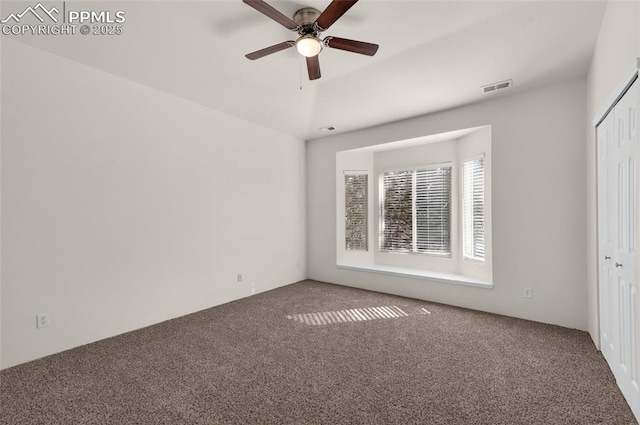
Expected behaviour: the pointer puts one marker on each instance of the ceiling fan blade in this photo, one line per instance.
(354, 46)
(313, 66)
(269, 50)
(272, 13)
(333, 12)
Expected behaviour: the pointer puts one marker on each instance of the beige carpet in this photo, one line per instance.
(314, 353)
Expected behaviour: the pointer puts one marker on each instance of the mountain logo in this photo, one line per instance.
(38, 11)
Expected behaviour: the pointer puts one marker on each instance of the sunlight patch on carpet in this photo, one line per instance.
(350, 315)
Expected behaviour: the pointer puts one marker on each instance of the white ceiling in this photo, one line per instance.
(433, 55)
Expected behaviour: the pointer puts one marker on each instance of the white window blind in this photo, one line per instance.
(433, 210)
(396, 213)
(473, 209)
(356, 190)
(416, 211)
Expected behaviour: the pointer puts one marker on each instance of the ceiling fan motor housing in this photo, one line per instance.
(305, 18)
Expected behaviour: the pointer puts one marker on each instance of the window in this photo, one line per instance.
(356, 192)
(416, 211)
(418, 208)
(473, 209)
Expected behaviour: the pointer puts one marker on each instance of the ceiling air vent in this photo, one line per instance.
(497, 86)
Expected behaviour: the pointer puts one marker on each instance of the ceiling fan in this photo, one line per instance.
(309, 23)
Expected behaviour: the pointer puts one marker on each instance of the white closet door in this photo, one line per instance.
(607, 216)
(617, 140)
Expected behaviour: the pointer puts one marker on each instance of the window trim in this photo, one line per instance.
(442, 277)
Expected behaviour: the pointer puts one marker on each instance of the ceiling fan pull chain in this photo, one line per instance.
(300, 73)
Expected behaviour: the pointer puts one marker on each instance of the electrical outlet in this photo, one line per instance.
(42, 320)
(527, 293)
(239, 277)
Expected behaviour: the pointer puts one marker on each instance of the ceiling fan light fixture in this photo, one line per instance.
(308, 45)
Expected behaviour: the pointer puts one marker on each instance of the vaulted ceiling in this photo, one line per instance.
(433, 55)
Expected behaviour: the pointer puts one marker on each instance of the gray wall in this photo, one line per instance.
(123, 206)
(539, 194)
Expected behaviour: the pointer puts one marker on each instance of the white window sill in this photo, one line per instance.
(452, 278)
